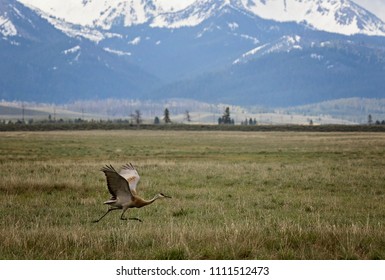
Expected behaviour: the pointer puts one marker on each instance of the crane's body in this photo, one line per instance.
(122, 186)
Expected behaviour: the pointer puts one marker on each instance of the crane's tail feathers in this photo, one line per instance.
(110, 201)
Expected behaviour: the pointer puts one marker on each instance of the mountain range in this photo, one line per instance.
(246, 52)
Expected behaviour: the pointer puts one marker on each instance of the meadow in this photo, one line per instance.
(235, 195)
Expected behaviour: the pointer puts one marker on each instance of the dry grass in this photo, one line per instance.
(235, 195)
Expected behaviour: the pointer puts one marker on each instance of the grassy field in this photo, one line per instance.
(236, 195)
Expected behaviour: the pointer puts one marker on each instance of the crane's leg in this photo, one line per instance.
(108, 211)
(123, 218)
(135, 219)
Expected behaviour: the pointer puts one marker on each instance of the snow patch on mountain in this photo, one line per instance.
(284, 44)
(248, 54)
(104, 14)
(94, 13)
(193, 15)
(72, 50)
(337, 16)
(117, 52)
(316, 56)
(75, 52)
(6, 27)
(135, 41)
(73, 30)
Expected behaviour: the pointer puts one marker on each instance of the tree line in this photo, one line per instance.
(377, 122)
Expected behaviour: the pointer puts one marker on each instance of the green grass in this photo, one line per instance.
(236, 195)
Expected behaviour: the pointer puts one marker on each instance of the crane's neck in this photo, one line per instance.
(143, 202)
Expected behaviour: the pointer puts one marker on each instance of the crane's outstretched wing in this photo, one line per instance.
(129, 173)
(117, 185)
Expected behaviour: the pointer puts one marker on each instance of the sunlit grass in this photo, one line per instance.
(235, 195)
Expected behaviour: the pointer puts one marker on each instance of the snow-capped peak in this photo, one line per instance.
(192, 15)
(337, 16)
(95, 13)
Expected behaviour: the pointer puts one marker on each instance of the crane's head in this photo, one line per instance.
(161, 195)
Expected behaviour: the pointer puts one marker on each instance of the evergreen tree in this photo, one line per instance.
(166, 116)
(188, 117)
(226, 116)
(370, 119)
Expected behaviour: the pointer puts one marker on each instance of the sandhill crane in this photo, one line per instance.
(122, 187)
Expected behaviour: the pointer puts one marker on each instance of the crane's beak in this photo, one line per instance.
(166, 196)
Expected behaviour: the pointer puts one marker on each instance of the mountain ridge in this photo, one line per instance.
(230, 56)
(338, 16)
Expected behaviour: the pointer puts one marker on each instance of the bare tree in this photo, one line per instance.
(137, 117)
